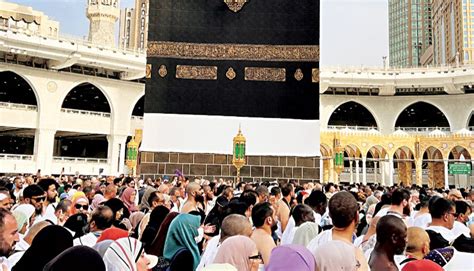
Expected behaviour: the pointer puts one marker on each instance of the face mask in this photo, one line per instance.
(200, 236)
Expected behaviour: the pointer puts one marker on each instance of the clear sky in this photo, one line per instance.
(353, 32)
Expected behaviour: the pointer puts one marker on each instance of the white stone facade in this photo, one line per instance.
(103, 14)
(386, 106)
(48, 118)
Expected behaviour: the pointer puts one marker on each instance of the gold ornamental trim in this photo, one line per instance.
(299, 75)
(230, 74)
(148, 71)
(163, 71)
(196, 72)
(265, 74)
(315, 75)
(235, 5)
(255, 52)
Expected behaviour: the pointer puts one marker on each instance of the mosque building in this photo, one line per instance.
(74, 104)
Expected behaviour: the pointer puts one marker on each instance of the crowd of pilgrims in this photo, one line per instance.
(128, 224)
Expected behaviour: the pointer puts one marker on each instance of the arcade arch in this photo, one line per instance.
(88, 97)
(471, 121)
(404, 163)
(15, 89)
(139, 108)
(352, 114)
(460, 155)
(422, 114)
(17, 93)
(352, 158)
(377, 162)
(434, 166)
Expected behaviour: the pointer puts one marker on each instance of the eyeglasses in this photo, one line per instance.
(454, 214)
(80, 206)
(39, 199)
(255, 257)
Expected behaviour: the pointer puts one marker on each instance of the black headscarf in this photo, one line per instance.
(77, 223)
(217, 214)
(151, 231)
(78, 258)
(47, 244)
(116, 204)
(158, 245)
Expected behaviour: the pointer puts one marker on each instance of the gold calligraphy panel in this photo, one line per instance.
(196, 72)
(265, 74)
(233, 51)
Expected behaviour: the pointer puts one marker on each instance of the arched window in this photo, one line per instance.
(14, 89)
(86, 97)
(352, 114)
(422, 114)
(138, 110)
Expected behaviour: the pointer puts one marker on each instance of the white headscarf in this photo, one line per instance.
(26, 209)
(305, 233)
(123, 253)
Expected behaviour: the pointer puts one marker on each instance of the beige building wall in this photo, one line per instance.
(138, 31)
(453, 22)
(24, 18)
(127, 28)
(141, 24)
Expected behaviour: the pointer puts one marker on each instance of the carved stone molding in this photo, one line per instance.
(196, 72)
(162, 71)
(230, 74)
(265, 74)
(235, 5)
(255, 52)
(299, 74)
(315, 75)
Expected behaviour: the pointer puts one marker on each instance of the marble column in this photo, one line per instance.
(446, 176)
(364, 170)
(352, 173)
(357, 171)
(375, 172)
(390, 171)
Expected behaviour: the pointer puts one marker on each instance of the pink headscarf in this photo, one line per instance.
(126, 199)
(98, 199)
(236, 251)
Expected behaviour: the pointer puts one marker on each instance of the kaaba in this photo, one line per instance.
(216, 65)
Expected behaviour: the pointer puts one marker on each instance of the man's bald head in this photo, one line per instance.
(110, 191)
(235, 224)
(33, 231)
(418, 240)
(192, 187)
(392, 232)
